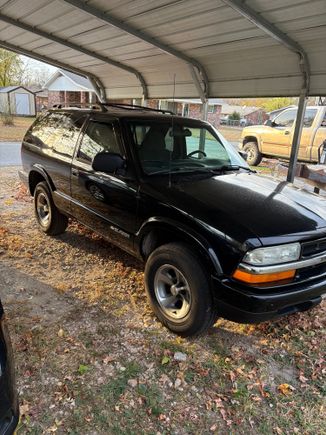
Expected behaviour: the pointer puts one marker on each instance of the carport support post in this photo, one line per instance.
(202, 131)
(296, 137)
(205, 110)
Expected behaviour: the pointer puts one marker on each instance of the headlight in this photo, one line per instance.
(273, 255)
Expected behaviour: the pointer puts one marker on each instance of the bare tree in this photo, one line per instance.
(11, 68)
(35, 74)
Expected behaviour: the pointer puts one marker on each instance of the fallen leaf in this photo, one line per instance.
(232, 376)
(165, 360)
(24, 409)
(285, 389)
(107, 359)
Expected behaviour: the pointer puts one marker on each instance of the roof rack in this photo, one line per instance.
(93, 106)
(103, 107)
(134, 107)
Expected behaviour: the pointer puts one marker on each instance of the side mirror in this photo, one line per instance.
(243, 154)
(108, 162)
(269, 123)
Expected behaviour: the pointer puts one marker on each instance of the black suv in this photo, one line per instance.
(8, 395)
(217, 239)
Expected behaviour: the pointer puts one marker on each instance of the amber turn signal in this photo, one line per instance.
(260, 279)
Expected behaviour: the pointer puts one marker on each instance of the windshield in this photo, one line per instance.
(181, 147)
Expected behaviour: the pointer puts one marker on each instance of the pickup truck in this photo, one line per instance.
(275, 137)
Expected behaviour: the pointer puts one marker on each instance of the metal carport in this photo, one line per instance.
(181, 48)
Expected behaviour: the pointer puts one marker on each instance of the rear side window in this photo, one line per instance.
(57, 131)
(98, 137)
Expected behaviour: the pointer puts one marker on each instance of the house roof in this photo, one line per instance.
(78, 81)
(227, 109)
(7, 89)
(211, 101)
(38, 91)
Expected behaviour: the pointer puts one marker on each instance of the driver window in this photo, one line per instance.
(285, 119)
(98, 137)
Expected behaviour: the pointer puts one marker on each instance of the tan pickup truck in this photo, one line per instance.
(275, 137)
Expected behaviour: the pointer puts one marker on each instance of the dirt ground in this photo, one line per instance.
(91, 358)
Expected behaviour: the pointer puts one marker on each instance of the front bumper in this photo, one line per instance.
(245, 304)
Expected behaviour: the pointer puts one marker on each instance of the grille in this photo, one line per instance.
(310, 249)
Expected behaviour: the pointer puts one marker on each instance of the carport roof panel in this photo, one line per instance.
(238, 57)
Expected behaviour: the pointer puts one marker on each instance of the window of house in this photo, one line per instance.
(98, 137)
(211, 109)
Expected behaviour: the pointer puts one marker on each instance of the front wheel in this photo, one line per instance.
(49, 218)
(254, 156)
(179, 291)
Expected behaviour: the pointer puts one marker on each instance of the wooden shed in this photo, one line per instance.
(17, 100)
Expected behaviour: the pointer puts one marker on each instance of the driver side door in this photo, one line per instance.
(278, 139)
(103, 201)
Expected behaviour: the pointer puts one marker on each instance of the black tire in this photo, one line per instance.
(198, 299)
(254, 155)
(49, 218)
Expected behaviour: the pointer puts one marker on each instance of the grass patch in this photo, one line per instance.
(115, 387)
(16, 131)
(153, 398)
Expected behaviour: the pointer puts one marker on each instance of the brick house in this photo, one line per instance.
(256, 117)
(68, 89)
(192, 108)
(249, 115)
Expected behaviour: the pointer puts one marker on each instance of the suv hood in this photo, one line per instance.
(244, 205)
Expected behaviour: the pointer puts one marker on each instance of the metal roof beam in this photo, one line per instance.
(273, 31)
(93, 11)
(259, 21)
(64, 42)
(96, 82)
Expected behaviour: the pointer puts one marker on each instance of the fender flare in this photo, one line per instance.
(158, 223)
(38, 168)
(257, 137)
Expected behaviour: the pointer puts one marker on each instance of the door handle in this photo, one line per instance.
(286, 132)
(75, 172)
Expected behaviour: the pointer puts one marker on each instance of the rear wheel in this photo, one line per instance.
(254, 156)
(49, 218)
(179, 290)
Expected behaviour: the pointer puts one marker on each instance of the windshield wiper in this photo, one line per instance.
(185, 170)
(232, 168)
(178, 170)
